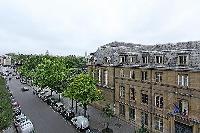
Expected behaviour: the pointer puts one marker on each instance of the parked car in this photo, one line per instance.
(17, 77)
(36, 91)
(26, 127)
(80, 122)
(25, 88)
(18, 121)
(68, 114)
(17, 111)
(23, 82)
(51, 101)
(42, 93)
(45, 96)
(58, 106)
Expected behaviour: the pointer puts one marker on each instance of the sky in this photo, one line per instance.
(73, 27)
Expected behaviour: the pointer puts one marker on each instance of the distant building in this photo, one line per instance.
(156, 86)
(5, 60)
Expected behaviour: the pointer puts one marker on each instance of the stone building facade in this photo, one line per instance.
(156, 86)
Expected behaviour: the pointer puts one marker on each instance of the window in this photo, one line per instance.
(144, 75)
(144, 118)
(132, 74)
(182, 59)
(183, 107)
(158, 124)
(159, 101)
(144, 59)
(122, 109)
(132, 93)
(105, 77)
(131, 59)
(122, 92)
(183, 80)
(158, 59)
(131, 113)
(121, 73)
(122, 59)
(144, 98)
(158, 77)
(99, 75)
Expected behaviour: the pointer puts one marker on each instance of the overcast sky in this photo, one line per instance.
(66, 27)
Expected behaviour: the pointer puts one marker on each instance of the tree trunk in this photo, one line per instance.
(76, 107)
(72, 103)
(59, 97)
(85, 109)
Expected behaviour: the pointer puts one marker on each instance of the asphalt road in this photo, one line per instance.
(44, 119)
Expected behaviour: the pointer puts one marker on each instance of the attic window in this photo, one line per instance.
(144, 59)
(122, 59)
(182, 59)
(159, 59)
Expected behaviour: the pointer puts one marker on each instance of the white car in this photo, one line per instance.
(80, 122)
(26, 127)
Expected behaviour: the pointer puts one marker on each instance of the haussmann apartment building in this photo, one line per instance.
(157, 86)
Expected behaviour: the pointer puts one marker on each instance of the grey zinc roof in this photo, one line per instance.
(169, 51)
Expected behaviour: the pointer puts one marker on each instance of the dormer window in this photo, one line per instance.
(159, 59)
(122, 59)
(145, 59)
(182, 59)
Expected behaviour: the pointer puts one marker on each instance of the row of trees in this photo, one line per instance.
(65, 75)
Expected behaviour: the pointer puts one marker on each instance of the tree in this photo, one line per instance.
(109, 113)
(50, 73)
(83, 89)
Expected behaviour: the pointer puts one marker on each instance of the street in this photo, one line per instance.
(45, 120)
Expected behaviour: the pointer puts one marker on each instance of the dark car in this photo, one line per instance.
(51, 101)
(45, 97)
(25, 88)
(68, 114)
(36, 91)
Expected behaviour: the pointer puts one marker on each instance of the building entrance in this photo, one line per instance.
(182, 128)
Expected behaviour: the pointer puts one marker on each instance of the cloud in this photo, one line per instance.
(73, 27)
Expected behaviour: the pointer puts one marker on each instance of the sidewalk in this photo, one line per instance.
(97, 119)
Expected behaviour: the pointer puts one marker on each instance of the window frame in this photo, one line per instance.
(158, 124)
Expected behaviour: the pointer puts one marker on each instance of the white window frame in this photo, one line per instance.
(145, 60)
(179, 60)
(158, 76)
(159, 101)
(160, 59)
(122, 92)
(121, 73)
(99, 75)
(160, 123)
(122, 59)
(183, 80)
(131, 74)
(144, 75)
(106, 77)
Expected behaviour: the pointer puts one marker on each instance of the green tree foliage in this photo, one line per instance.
(6, 113)
(83, 89)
